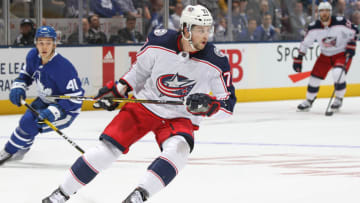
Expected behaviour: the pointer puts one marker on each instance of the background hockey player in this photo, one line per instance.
(178, 66)
(53, 75)
(337, 39)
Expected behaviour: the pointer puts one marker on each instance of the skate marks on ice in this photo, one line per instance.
(34, 166)
(283, 164)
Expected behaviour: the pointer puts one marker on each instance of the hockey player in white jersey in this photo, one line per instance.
(337, 39)
(53, 75)
(178, 66)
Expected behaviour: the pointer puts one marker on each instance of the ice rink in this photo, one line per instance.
(266, 153)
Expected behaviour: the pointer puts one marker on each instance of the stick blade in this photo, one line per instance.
(299, 76)
(329, 113)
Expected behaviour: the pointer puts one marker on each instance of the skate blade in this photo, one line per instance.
(302, 110)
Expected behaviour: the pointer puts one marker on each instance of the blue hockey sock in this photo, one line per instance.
(163, 169)
(19, 140)
(83, 171)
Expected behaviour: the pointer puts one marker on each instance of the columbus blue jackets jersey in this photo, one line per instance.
(57, 77)
(163, 71)
(332, 39)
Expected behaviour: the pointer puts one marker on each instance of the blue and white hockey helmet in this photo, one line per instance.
(45, 31)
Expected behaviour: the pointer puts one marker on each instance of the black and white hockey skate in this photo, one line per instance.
(4, 156)
(305, 105)
(19, 155)
(335, 106)
(139, 195)
(57, 196)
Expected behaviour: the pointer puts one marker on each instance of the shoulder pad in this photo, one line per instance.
(312, 23)
(339, 18)
(214, 55)
(162, 37)
(316, 24)
(218, 52)
(160, 32)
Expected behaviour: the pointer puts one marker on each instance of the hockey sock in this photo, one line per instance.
(89, 165)
(19, 140)
(164, 169)
(313, 88)
(340, 83)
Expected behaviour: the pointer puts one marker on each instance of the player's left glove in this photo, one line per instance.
(350, 48)
(52, 113)
(202, 104)
(112, 89)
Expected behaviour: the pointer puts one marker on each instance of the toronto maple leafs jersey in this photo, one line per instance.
(332, 39)
(163, 71)
(57, 77)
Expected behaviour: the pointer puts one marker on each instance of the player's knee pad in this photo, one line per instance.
(339, 75)
(93, 161)
(102, 156)
(177, 150)
(172, 159)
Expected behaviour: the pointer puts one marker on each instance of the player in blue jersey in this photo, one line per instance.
(54, 75)
(175, 66)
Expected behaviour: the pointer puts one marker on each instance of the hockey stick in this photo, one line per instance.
(52, 126)
(83, 98)
(327, 112)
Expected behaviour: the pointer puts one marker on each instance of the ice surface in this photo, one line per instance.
(266, 152)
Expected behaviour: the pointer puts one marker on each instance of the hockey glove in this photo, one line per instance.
(350, 48)
(201, 104)
(112, 89)
(297, 65)
(52, 113)
(17, 91)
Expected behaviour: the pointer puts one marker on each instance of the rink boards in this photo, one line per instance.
(261, 71)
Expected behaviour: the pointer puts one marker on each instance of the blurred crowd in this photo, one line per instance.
(276, 20)
(243, 20)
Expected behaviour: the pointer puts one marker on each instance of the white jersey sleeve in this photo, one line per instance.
(140, 71)
(309, 38)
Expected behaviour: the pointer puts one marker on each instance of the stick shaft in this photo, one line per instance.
(85, 98)
(52, 126)
(333, 93)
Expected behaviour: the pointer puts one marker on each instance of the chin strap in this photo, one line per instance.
(189, 38)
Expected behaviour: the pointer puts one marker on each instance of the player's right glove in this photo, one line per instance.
(297, 65)
(52, 113)
(112, 89)
(201, 104)
(350, 48)
(17, 91)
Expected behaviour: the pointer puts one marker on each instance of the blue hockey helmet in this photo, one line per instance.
(46, 31)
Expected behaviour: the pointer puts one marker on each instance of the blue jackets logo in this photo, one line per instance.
(329, 41)
(174, 85)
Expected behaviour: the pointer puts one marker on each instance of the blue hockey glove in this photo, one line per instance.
(17, 91)
(297, 65)
(52, 113)
(112, 89)
(201, 104)
(350, 48)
